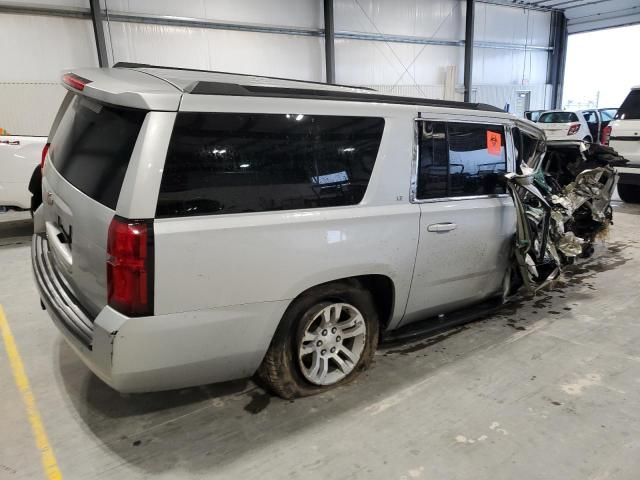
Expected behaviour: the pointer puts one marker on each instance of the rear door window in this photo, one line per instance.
(221, 163)
(630, 108)
(460, 160)
(92, 146)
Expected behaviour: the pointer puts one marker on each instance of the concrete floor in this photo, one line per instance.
(546, 389)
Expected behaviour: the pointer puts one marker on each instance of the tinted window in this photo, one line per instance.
(630, 108)
(460, 159)
(221, 163)
(433, 166)
(477, 159)
(558, 117)
(92, 146)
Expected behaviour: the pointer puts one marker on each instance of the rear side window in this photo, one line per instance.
(460, 159)
(630, 108)
(558, 117)
(220, 163)
(92, 146)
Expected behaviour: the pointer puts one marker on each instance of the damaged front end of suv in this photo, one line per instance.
(563, 204)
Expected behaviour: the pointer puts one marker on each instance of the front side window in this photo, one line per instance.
(221, 163)
(460, 159)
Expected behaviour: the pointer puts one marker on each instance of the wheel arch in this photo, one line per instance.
(381, 287)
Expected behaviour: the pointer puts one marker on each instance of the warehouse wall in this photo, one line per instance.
(35, 50)
(405, 64)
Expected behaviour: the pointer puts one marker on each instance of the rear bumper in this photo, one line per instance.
(161, 352)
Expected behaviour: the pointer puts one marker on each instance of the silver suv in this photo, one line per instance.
(199, 227)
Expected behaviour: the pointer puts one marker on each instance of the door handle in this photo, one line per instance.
(442, 227)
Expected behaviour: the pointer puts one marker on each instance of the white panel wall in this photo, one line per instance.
(439, 19)
(294, 13)
(36, 49)
(290, 56)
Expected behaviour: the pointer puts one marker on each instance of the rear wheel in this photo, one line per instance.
(629, 193)
(325, 339)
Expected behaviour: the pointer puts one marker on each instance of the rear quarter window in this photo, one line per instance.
(92, 146)
(221, 163)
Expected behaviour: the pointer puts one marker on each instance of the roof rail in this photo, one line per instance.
(235, 89)
(146, 65)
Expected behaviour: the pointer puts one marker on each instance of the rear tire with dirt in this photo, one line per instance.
(629, 193)
(327, 336)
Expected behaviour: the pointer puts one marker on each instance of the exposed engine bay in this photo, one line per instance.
(563, 205)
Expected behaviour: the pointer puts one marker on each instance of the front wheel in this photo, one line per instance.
(326, 338)
(629, 193)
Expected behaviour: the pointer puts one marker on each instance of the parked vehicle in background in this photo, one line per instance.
(624, 136)
(19, 156)
(562, 125)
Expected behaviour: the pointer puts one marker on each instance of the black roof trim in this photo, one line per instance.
(146, 65)
(233, 89)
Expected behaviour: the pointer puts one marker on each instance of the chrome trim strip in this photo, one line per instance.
(64, 308)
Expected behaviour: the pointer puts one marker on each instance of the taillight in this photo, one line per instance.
(75, 81)
(45, 150)
(573, 129)
(605, 136)
(130, 266)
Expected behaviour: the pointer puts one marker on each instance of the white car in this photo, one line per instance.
(561, 125)
(624, 136)
(19, 155)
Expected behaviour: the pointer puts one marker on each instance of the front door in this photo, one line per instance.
(467, 219)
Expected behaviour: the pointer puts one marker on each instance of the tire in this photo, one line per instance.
(629, 193)
(287, 371)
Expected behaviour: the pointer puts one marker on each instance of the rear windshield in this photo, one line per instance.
(92, 146)
(558, 117)
(630, 108)
(220, 163)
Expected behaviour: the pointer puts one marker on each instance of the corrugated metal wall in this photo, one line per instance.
(46, 45)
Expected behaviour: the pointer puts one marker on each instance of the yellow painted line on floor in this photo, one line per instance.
(49, 463)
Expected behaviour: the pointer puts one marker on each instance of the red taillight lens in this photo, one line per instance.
(45, 150)
(573, 129)
(606, 135)
(130, 266)
(75, 81)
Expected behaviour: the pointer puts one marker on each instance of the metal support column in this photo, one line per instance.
(98, 30)
(329, 48)
(468, 50)
(558, 57)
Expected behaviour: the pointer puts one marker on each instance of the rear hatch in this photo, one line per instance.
(91, 147)
(625, 129)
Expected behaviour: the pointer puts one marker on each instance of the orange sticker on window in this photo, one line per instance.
(494, 142)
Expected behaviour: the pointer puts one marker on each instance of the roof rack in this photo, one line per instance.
(235, 89)
(146, 65)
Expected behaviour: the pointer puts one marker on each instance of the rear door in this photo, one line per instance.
(84, 172)
(625, 129)
(467, 219)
